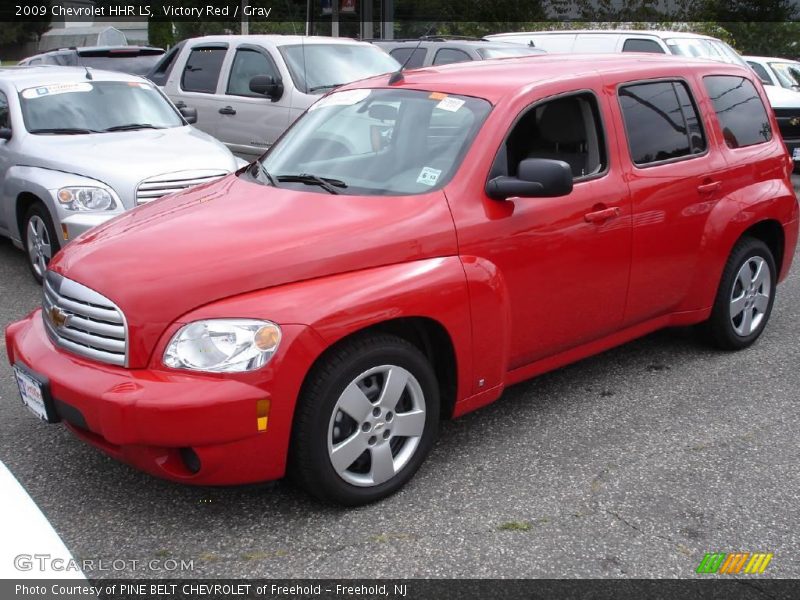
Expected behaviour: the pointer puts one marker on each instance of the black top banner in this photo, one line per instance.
(432, 11)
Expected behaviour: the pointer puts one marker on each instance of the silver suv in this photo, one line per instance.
(79, 146)
(248, 89)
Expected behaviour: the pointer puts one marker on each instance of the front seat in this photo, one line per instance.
(562, 135)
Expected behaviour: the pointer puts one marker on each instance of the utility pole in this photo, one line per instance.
(245, 20)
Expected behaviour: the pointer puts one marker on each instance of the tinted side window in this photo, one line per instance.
(246, 65)
(202, 70)
(639, 45)
(739, 109)
(417, 57)
(5, 120)
(660, 121)
(761, 72)
(446, 56)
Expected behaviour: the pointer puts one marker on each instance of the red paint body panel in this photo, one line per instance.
(520, 286)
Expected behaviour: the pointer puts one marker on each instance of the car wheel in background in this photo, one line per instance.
(39, 239)
(366, 420)
(745, 296)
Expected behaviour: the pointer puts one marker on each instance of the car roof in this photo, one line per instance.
(276, 40)
(501, 77)
(663, 34)
(768, 59)
(449, 41)
(25, 77)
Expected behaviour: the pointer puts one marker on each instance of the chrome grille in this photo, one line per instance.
(84, 322)
(169, 183)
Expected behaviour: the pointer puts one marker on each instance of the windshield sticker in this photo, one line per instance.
(56, 88)
(451, 104)
(346, 98)
(140, 84)
(437, 96)
(429, 176)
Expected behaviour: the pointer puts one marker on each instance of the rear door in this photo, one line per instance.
(249, 123)
(675, 181)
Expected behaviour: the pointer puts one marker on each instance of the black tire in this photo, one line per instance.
(310, 464)
(39, 210)
(719, 330)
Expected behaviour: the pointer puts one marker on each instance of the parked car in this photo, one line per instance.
(248, 89)
(779, 72)
(31, 548)
(416, 53)
(78, 148)
(478, 224)
(136, 60)
(692, 45)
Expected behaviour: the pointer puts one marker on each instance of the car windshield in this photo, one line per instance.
(705, 48)
(96, 106)
(375, 142)
(318, 68)
(496, 52)
(788, 73)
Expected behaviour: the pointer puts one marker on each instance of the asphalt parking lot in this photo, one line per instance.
(634, 463)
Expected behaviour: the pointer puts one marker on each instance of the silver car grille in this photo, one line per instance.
(169, 183)
(84, 322)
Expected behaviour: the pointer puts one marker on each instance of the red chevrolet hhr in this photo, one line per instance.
(411, 246)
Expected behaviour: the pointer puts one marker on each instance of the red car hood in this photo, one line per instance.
(233, 236)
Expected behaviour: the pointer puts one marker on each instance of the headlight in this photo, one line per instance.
(85, 198)
(223, 345)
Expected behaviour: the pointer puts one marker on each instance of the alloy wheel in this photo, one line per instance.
(750, 296)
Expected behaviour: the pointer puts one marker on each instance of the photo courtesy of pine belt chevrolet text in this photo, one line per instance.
(412, 245)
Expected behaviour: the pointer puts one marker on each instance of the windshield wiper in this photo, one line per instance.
(327, 86)
(132, 126)
(64, 130)
(327, 184)
(257, 168)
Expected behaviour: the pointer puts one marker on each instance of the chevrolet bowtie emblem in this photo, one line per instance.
(57, 317)
(794, 121)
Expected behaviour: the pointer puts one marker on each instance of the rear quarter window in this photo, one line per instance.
(739, 109)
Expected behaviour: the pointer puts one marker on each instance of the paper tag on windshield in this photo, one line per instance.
(345, 98)
(57, 88)
(451, 104)
(429, 176)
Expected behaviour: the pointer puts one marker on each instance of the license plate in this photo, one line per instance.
(34, 394)
(796, 154)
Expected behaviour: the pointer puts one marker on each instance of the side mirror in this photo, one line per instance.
(5, 133)
(266, 85)
(189, 113)
(536, 178)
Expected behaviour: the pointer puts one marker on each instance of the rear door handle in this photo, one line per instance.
(605, 214)
(228, 110)
(707, 188)
(180, 104)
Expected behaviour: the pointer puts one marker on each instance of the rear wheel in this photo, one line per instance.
(366, 420)
(39, 239)
(744, 300)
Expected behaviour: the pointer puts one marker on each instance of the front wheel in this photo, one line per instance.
(366, 420)
(39, 239)
(744, 300)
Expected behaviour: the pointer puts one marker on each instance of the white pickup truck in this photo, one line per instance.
(248, 89)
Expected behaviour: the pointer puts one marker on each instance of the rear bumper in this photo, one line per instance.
(166, 422)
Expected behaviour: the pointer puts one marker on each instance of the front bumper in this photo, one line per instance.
(193, 428)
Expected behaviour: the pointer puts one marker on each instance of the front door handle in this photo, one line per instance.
(604, 214)
(707, 188)
(228, 110)
(180, 104)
